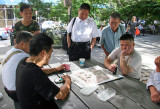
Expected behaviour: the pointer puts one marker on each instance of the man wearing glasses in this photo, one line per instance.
(112, 33)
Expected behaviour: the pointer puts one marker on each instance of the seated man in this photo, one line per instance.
(33, 87)
(11, 60)
(129, 60)
(153, 83)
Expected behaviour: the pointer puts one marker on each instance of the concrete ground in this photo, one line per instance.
(148, 46)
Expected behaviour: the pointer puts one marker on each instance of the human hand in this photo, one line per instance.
(126, 51)
(157, 63)
(155, 95)
(66, 78)
(61, 67)
(112, 67)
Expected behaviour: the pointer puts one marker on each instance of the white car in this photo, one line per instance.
(47, 24)
(3, 35)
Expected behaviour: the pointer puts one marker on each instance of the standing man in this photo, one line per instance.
(132, 26)
(27, 24)
(33, 87)
(112, 33)
(84, 32)
(129, 60)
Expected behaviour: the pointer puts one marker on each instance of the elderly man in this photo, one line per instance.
(153, 83)
(111, 34)
(84, 32)
(129, 60)
(33, 87)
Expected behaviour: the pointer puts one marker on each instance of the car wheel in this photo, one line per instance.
(0, 37)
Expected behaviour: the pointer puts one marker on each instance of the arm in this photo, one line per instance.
(107, 53)
(93, 43)
(107, 64)
(52, 70)
(155, 95)
(68, 40)
(64, 90)
(123, 65)
(36, 32)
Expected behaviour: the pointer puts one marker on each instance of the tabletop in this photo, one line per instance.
(130, 93)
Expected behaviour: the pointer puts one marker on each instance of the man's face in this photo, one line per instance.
(134, 19)
(27, 14)
(114, 23)
(83, 14)
(127, 45)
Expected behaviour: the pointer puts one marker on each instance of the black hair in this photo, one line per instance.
(40, 42)
(127, 37)
(25, 6)
(115, 15)
(24, 36)
(85, 6)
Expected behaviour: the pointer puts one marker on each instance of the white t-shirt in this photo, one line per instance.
(134, 60)
(83, 30)
(9, 68)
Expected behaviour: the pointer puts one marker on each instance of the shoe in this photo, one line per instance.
(1, 95)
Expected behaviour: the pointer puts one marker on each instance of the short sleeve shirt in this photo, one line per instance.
(154, 80)
(9, 68)
(134, 60)
(132, 26)
(110, 39)
(83, 30)
(30, 28)
(33, 87)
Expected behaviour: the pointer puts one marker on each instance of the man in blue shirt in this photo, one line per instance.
(112, 33)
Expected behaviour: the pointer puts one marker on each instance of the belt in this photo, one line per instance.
(80, 43)
(9, 90)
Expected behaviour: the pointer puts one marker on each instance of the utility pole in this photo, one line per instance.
(68, 3)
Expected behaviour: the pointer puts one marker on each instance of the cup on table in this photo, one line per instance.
(81, 61)
(67, 67)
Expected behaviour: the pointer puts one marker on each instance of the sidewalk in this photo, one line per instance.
(148, 46)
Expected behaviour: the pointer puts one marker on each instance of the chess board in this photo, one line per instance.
(93, 75)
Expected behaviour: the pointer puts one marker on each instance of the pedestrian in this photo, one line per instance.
(112, 33)
(129, 60)
(84, 32)
(33, 87)
(132, 26)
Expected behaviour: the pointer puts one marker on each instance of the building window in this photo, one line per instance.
(10, 14)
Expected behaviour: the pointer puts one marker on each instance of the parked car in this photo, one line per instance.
(8, 29)
(3, 35)
(47, 24)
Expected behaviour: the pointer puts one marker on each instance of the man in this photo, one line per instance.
(111, 34)
(153, 83)
(27, 24)
(33, 87)
(129, 60)
(84, 33)
(132, 26)
(11, 60)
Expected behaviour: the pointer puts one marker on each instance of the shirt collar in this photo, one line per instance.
(79, 20)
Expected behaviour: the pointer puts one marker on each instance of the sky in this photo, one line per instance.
(15, 2)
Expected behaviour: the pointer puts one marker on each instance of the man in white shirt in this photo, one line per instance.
(84, 32)
(153, 82)
(129, 60)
